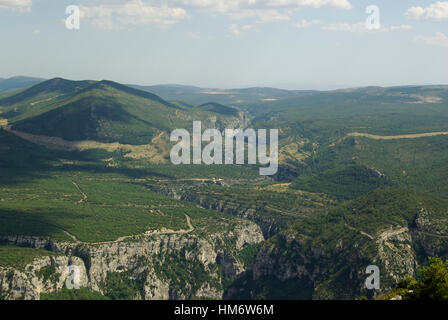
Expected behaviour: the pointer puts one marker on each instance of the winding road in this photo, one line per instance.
(147, 233)
(84, 196)
(403, 136)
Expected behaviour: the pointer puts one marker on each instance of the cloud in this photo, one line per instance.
(237, 30)
(436, 12)
(307, 23)
(16, 5)
(123, 13)
(361, 28)
(264, 11)
(439, 39)
(194, 35)
(261, 16)
(247, 27)
(400, 27)
(234, 29)
(340, 4)
(233, 5)
(131, 12)
(222, 6)
(346, 27)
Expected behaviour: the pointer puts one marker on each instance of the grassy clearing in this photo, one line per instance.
(18, 257)
(48, 206)
(81, 294)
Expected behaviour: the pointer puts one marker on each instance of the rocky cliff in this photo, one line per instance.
(327, 256)
(157, 266)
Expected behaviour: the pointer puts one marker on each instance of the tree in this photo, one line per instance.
(433, 284)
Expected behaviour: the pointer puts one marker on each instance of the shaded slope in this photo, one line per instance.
(102, 111)
(89, 118)
(53, 86)
(414, 163)
(326, 257)
(218, 108)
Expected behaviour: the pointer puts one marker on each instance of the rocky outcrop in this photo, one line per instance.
(148, 261)
(320, 271)
(45, 274)
(269, 225)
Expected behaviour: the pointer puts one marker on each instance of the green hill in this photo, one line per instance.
(15, 83)
(327, 116)
(232, 97)
(218, 108)
(102, 111)
(344, 182)
(348, 200)
(412, 163)
(40, 98)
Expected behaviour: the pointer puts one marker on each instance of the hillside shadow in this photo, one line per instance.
(40, 222)
(22, 161)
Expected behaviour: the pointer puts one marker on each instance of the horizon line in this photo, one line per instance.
(227, 88)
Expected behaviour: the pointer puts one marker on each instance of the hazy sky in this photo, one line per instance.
(228, 43)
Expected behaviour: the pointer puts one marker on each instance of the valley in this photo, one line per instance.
(86, 180)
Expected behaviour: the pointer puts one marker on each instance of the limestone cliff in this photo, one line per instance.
(148, 261)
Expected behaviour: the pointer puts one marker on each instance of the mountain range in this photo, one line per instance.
(18, 82)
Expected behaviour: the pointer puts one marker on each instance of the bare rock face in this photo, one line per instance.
(43, 275)
(396, 254)
(322, 271)
(268, 226)
(146, 260)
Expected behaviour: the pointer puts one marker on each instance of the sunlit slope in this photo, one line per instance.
(232, 97)
(39, 98)
(74, 196)
(326, 116)
(357, 165)
(337, 140)
(102, 111)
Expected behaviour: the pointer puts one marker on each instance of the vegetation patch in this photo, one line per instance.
(19, 257)
(79, 294)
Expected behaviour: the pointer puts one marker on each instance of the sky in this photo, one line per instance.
(291, 44)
